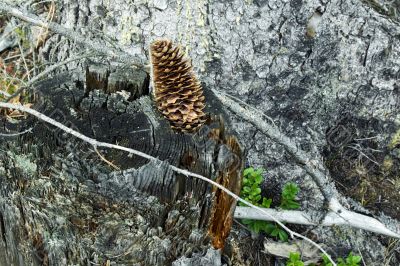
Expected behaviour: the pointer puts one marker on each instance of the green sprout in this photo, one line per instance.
(251, 192)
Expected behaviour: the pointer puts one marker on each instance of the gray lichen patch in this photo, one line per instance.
(2, 169)
(24, 163)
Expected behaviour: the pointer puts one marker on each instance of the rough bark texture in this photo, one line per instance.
(327, 72)
(111, 215)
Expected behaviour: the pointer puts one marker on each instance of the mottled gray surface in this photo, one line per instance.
(211, 258)
(305, 74)
(312, 66)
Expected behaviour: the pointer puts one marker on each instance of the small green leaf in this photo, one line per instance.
(247, 221)
(275, 232)
(326, 261)
(353, 260)
(294, 260)
(256, 191)
(258, 179)
(256, 227)
(289, 205)
(266, 203)
(259, 171)
(341, 262)
(254, 186)
(247, 171)
(283, 235)
(269, 227)
(293, 256)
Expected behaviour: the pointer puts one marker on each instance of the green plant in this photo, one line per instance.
(288, 199)
(294, 259)
(251, 191)
(351, 260)
(23, 36)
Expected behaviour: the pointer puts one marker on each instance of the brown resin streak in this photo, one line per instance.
(229, 175)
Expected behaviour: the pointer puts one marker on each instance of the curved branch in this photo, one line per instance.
(290, 146)
(96, 144)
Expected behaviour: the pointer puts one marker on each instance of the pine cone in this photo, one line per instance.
(178, 93)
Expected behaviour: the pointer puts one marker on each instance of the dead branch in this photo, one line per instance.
(331, 218)
(115, 54)
(187, 173)
(337, 214)
(273, 132)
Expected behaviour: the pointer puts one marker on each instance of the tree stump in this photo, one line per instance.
(63, 204)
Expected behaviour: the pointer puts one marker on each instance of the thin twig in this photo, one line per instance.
(45, 73)
(106, 161)
(4, 93)
(49, 17)
(29, 130)
(185, 172)
(362, 257)
(23, 59)
(249, 106)
(367, 138)
(363, 154)
(11, 57)
(73, 35)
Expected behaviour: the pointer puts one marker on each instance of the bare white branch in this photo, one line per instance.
(97, 144)
(273, 132)
(29, 130)
(331, 218)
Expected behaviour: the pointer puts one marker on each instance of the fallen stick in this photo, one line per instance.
(331, 218)
(337, 214)
(273, 132)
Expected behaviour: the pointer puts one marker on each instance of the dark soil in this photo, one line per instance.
(365, 166)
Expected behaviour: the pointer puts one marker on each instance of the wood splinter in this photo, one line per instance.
(229, 174)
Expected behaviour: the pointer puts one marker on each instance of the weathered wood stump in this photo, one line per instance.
(61, 204)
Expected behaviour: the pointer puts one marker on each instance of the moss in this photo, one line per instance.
(387, 164)
(395, 140)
